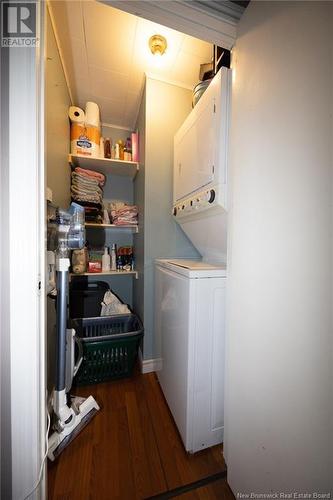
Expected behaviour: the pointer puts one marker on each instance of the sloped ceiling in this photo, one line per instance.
(105, 54)
(212, 20)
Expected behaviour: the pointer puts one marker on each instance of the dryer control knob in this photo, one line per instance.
(211, 196)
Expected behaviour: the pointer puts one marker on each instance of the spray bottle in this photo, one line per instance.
(106, 260)
(114, 257)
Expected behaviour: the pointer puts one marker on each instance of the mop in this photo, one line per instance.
(70, 417)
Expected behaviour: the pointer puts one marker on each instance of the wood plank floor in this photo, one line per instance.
(132, 450)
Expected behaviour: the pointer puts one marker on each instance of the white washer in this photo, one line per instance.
(190, 325)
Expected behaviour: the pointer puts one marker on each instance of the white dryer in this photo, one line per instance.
(200, 176)
(190, 325)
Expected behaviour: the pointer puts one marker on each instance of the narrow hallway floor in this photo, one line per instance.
(132, 450)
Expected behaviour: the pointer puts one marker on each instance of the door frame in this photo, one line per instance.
(22, 294)
(23, 329)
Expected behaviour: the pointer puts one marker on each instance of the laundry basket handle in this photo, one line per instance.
(80, 355)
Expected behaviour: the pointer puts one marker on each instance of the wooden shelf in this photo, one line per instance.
(109, 273)
(105, 166)
(130, 227)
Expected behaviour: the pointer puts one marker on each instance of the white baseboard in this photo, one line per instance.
(149, 365)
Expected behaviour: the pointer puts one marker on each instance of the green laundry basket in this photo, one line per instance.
(110, 347)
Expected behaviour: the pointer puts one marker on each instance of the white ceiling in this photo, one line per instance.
(105, 53)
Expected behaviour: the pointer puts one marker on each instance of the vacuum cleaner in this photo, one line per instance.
(71, 414)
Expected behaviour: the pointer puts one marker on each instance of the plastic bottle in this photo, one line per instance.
(107, 147)
(116, 154)
(121, 149)
(106, 261)
(114, 258)
(119, 263)
(128, 149)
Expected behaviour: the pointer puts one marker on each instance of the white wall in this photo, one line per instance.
(57, 101)
(279, 346)
(166, 107)
(5, 385)
(57, 146)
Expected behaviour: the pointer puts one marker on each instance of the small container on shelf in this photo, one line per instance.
(114, 257)
(121, 149)
(107, 148)
(94, 267)
(79, 260)
(106, 260)
(128, 150)
(135, 146)
(125, 259)
(119, 263)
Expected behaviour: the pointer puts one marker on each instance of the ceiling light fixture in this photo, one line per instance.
(157, 44)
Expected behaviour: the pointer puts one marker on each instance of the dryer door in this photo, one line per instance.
(194, 149)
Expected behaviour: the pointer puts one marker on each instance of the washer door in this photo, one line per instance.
(172, 327)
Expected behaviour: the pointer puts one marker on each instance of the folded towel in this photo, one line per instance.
(91, 174)
(85, 192)
(125, 215)
(79, 187)
(85, 180)
(85, 198)
(86, 186)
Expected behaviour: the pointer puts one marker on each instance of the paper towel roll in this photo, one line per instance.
(92, 114)
(76, 115)
(84, 140)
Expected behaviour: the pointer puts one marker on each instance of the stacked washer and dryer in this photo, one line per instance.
(190, 294)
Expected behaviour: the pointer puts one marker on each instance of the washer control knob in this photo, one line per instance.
(211, 196)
